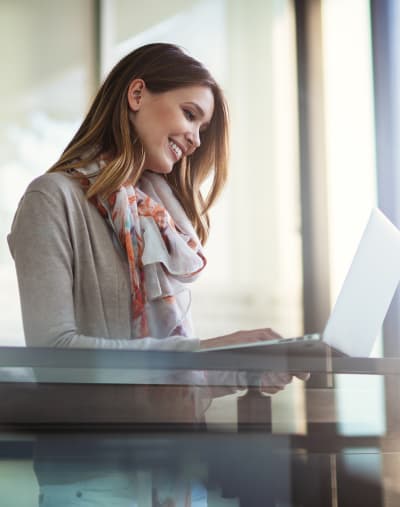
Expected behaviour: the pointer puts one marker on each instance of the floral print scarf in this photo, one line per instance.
(163, 251)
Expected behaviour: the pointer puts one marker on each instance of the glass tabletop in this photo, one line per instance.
(80, 425)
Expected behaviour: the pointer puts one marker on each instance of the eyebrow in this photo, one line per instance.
(201, 113)
(199, 109)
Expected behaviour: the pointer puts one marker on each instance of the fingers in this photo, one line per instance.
(284, 377)
(273, 334)
(266, 334)
(256, 335)
(302, 375)
(253, 335)
(271, 389)
(277, 378)
(240, 337)
(274, 382)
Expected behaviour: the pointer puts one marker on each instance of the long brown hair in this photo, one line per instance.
(108, 130)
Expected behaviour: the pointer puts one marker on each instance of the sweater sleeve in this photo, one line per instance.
(41, 247)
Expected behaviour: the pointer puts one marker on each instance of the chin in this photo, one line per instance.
(161, 165)
(160, 170)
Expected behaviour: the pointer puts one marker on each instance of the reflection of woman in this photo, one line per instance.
(106, 242)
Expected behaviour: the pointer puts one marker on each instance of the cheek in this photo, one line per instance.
(159, 128)
(168, 120)
(159, 124)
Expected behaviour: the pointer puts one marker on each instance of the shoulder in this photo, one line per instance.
(48, 198)
(42, 207)
(58, 191)
(54, 185)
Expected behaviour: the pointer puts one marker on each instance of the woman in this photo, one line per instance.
(106, 242)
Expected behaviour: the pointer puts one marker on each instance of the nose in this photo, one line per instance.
(193, 138)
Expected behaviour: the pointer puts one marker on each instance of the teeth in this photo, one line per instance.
(176, 148)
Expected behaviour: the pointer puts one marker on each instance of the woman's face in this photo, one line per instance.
(169, 123)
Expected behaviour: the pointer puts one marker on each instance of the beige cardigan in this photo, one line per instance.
(73, 278)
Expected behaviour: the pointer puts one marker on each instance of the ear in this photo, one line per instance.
(136, 89)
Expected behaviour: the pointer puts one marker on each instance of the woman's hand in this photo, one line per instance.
(240, 337)
(273, 382)
(270, 382)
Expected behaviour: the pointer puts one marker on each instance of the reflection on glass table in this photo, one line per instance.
(124, 427)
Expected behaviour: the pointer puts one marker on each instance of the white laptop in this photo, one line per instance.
(361, 306)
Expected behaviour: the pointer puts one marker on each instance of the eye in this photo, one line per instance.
(189, 115)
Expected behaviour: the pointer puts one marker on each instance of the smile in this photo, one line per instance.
(175, 149)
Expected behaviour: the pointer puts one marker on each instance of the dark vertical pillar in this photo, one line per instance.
(385, 17)
(254, 411)
(385, 21)
(316, 298)
(313, 177)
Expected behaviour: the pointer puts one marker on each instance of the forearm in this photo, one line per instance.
(74, 340)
